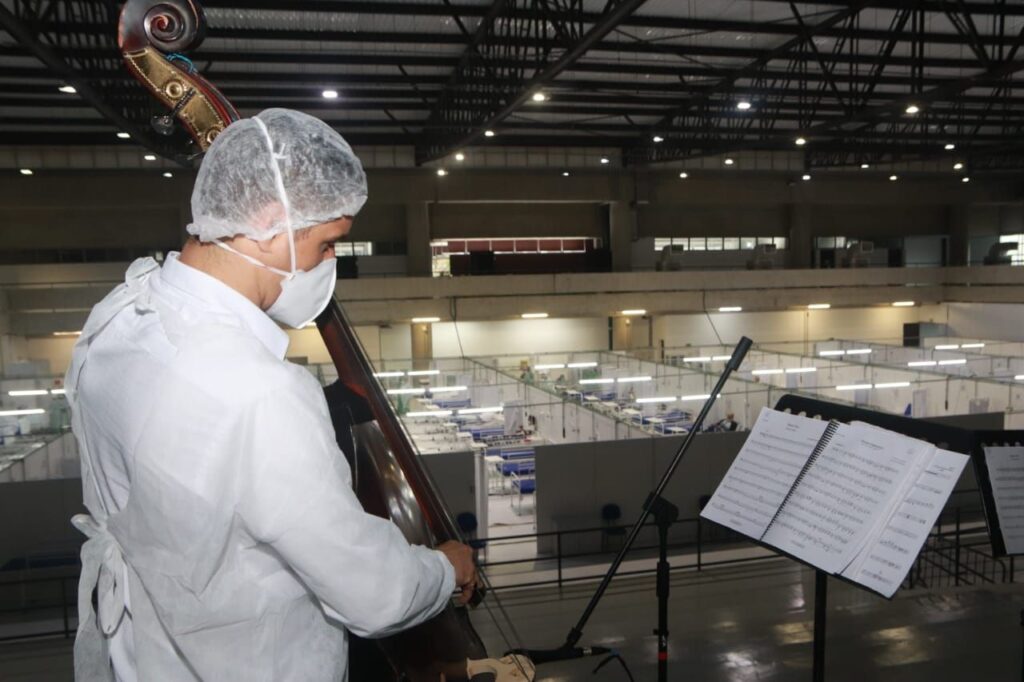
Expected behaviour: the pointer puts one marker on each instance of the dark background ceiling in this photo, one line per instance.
(614, 73)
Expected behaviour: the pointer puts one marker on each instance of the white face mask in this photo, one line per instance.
(304, 293)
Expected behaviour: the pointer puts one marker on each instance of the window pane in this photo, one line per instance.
(731, 243)
(764, 240)
(714, 243)
(698, 244)
(780, 242)
(660, 243)
(840, 242)
(826, 242)
(747, 243)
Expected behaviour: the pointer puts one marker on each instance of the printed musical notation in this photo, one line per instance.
(851, 499)
(1006, 474)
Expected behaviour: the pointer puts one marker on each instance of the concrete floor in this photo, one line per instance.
(733, 624)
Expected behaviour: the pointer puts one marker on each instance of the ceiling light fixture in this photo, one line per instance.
(949, 147)
(488, 133)
(913, 109)
(417, 320)
(330, 94)
(743, 105)
(123, 135)
(168, 174)
(565, 174)
(902, 304)
(423, 372)
(684, 175)
(534, 316)
(635, 311)
(539, 97)
(26, 171)
(658, 138)
(865, 166)
(800, 141)
(730, 309)
(894, 178)
(150, 157)
(729, 162)
(958, 166)
(805, 177)
(965, 179)
(819, 306)
(442, 172)
(460, 156)
(67, 89)
(605, 159)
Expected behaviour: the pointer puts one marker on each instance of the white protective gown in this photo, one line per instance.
(209, 464)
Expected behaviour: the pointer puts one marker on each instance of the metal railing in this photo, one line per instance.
(956, 553)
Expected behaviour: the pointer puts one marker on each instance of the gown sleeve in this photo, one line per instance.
(297, 497)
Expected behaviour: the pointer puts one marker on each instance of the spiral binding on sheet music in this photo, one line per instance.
(823, 442)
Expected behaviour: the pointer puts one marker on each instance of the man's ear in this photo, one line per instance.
(268, 245)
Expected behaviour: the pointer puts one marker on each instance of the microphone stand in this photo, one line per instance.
(665, 513)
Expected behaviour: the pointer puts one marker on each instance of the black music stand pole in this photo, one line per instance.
(654, 500)
(820, 611)
(665, 514)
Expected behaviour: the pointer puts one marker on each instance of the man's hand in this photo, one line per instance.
(460, 556)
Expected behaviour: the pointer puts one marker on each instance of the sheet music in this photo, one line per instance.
(764, 471)
(886, 561)
(1006, 473)
(845, 494)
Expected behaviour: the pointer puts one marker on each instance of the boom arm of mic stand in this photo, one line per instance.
(734, 363)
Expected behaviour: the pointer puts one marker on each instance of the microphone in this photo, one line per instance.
(563, 653)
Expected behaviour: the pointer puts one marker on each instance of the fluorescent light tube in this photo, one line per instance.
(629, 380)
(423, 372)
(663, 399)
(19, 413)
(481, 410)
(760, 372)
(534, 316)
(539, 367)
(947, 346)
(922, 363)
(721, 358)
(972, 345)
(858, 351)
(902, 304)
(578, 365)
(730, 309)
(852, 387)
(406, 391)
(597, 381)
(417, 320)
(959, 361)
(385, 375)
(695, 397)
(34, 391)
(447, 389)
(638, 311)
(698, 358)
(831, 353)
(800, 370)
(430, 413)
(819, 306)
(893, 384)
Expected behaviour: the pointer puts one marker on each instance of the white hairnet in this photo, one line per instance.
(238, 190)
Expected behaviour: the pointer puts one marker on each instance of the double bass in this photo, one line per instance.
(390, 479)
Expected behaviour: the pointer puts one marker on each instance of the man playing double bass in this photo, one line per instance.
(225, 541)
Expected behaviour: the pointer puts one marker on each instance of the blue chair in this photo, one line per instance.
(468, 525)
(611, 515)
